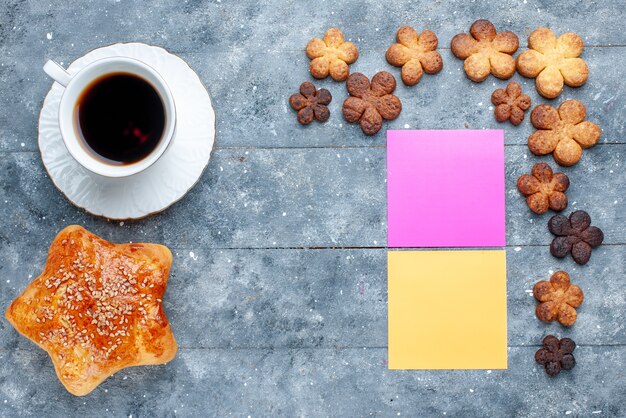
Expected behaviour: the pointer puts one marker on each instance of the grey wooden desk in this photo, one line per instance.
(278, 292)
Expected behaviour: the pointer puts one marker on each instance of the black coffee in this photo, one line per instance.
(121, 118)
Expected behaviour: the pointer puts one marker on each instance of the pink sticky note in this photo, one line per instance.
(445, 188)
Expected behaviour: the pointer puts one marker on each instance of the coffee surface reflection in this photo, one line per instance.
(121, 118)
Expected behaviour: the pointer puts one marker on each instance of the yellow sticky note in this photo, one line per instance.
(447, 309)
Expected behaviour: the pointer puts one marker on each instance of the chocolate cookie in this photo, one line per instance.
(553, 62)
(564, 133)
(510, 103)
(486, 51)
(556, 355)
(544, 189)
(311, 103)
(574, 235)
(559, 299)
(415, 54)
(370, 104)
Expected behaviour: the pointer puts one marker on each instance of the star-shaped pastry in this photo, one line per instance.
(97, 308)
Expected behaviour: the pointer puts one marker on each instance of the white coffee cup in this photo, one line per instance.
(75, 85)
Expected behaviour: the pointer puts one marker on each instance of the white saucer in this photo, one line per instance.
(167, 180)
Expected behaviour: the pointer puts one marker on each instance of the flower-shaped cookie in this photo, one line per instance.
(559, 299)
(332, 55)
(311, 103)
(544, 189)
(510, 103)
(368, 103)
(563, 132)
(553, 62)
(415, 54)
(486, 51)
(556, 355)
(574, 235)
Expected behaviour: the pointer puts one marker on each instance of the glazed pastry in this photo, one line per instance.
(553, 62)
(564, 133)
(370, 104)
(332, 55)
(510, 103)
(311, 103)
(486, 51)
(558, 299)
(415, 54)
(556, 355)
(544, 189)
(574, 235)
(96, 308)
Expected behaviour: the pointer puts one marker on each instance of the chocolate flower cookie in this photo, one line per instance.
(311, 103)
(559, 299)
(510, 103)
(556, 355)
(544, 189)
(415, 54)
(574, 235)
(563, 132)
(486, 51)
(332, 55)
(553, 62)
(368, 103)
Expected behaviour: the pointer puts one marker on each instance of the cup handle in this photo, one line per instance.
(57, 72)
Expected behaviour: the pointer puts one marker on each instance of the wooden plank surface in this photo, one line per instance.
(338, 298)
(254, 111)
(320, 382)
(278, 295)
(311, 197)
